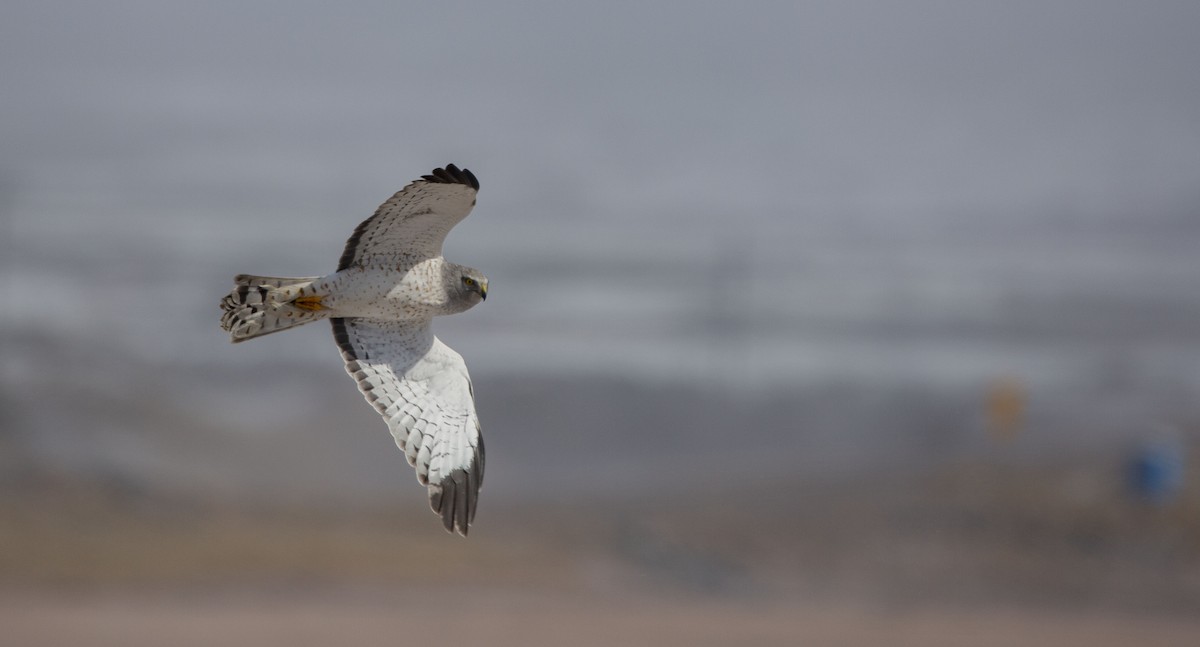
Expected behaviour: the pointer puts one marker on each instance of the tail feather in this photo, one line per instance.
(261, 305)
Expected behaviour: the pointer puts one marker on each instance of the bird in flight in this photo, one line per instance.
(389, 285)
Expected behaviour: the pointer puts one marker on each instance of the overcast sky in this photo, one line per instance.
(625, 110)
(211, 138)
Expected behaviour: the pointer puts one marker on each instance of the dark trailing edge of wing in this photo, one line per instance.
(343, 339)
(449, 175)
(457, 495)
(352, 245)
(452, 175)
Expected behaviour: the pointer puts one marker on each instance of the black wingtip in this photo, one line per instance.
(456, 497)
(454, 501)
(452, 175)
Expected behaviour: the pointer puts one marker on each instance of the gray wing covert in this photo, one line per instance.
(423, 391)
(416, 220)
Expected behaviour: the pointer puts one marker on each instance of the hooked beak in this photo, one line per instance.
(483, 289)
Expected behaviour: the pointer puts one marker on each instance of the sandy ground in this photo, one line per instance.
(985, 555)
(496, 618)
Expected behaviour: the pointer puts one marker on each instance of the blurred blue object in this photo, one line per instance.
(1156, 472)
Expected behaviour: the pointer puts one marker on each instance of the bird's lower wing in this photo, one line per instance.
(421, 388)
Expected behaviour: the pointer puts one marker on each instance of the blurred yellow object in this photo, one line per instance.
(1005, 409)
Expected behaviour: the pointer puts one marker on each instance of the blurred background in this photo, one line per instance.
(847, 323)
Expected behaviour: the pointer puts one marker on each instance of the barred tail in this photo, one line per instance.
(261, 305)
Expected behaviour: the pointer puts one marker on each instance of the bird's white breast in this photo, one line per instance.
(397, 292)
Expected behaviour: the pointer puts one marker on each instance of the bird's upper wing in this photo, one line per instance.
(416, 220)
(422, 389)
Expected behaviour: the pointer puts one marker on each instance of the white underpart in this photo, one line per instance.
(422, 389)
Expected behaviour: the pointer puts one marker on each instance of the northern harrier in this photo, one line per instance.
(389, 285)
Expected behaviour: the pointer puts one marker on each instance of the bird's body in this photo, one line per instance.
(373, 291)
(390, 283)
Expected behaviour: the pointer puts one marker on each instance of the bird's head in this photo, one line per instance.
(472, 285)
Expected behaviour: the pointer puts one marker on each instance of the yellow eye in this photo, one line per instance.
(469, 282)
